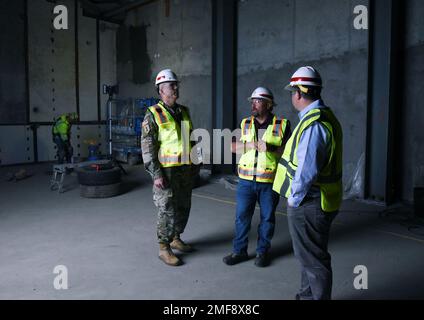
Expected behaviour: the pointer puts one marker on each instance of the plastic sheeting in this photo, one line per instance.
(355, 183)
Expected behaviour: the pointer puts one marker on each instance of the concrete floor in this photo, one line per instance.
(109, 247)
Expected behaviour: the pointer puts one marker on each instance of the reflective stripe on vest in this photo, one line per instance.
(330, 178)
(260, 166)
(160, 116)
(174, 150)
(260, 176)
(278, 125)
(247, 126)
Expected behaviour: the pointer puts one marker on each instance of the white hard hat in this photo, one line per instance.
(166, 75)
(304, 76)
(262, 93)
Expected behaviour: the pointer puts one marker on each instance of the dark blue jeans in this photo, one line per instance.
(309, 228)
(248, 193)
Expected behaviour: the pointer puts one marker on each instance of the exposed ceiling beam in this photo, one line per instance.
(104, 1)
(126, 8)
(88, 5)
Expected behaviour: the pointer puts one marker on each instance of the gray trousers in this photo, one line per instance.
(309, 228)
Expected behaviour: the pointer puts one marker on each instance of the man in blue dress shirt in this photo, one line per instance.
(309, 175)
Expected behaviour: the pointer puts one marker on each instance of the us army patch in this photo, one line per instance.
(146, 127)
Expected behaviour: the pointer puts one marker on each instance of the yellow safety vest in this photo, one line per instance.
(330, 178)
(62, 128)
(174, 150)
(260, 165)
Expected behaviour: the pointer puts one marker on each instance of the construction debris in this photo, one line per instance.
(17, 176)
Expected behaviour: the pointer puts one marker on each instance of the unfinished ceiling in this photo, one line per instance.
(111, 10)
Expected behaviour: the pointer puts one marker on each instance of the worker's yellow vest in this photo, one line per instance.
(62, 127)
(260, 165)
(330, 178)
(174, 149)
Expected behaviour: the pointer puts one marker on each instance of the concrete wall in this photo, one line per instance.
(87, 68)
(274, 39)
(16, 150)
(52, 77)
(13, 91)
(107, 45)
(51, 62)
(412, 110)
(277, 37)
(151, 41)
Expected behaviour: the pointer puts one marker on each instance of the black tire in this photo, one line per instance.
(98, 167)
(88, 176)
(107, 191)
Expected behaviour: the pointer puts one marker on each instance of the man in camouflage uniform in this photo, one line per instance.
(166, 154)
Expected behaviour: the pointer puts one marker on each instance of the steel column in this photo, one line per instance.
(224, 46)
(384, 92)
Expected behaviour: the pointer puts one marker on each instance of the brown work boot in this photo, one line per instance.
(167, 256)
(180, 245)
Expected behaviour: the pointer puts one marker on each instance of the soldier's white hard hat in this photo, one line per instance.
(166, 75)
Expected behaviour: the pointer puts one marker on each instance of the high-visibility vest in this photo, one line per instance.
(174, 143)
(62, 128)
(260, 165)
(330, 178)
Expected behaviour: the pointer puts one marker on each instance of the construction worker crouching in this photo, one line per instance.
(261, 144)
(309, 175)
(166, 151)
(61, 132)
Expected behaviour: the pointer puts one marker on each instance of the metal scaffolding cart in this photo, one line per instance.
(127, 116)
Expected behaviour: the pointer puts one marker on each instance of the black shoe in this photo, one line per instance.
(234, 258)
(262, 260)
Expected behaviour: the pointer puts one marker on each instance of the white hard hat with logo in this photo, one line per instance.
(262, 93)
(304, 76)
(166, 75)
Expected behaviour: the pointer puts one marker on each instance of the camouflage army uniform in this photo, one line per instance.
(173, 202)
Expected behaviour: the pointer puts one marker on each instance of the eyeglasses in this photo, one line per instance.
(171, 85)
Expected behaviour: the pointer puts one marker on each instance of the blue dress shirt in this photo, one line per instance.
(312, 154)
